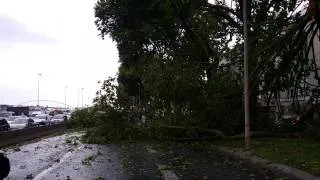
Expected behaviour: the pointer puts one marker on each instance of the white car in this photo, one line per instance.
(41, 119)
(21, 123)
(59, 118)
(35, 113)
(68, 115)
(5, 115)
(11, 118)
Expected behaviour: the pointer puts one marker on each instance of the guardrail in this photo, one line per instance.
(18, 136)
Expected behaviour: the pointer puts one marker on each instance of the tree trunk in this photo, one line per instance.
(254, 108)
(312, 7)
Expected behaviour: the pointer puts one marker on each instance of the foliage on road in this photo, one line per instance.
(197, 160)
(87, 161)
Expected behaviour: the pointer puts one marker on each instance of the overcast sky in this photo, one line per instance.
(58, 39)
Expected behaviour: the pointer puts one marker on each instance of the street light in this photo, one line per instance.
(65, 97)
(82, 96)
(39, 87)
(139, 87)
(78, 98)
(246, 77)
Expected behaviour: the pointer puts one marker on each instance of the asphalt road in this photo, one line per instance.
(65, 157)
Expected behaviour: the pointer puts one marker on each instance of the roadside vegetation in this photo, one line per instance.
(299, 152)
(180, 74)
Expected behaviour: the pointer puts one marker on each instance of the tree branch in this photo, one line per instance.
(225, 12)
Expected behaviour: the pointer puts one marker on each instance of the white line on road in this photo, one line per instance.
(169, 175)
(41, 176)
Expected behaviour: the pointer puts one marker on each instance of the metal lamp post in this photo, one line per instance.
(39, 88)
(82, 97)
(246, 76)
(65, 97)
(78, 98)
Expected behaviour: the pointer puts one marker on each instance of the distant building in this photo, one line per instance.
(285, 98)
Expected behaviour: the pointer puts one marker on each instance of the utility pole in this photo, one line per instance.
(78, 97)
(246, 77)
(65, 97)
(82, 96)
(39, 88)
(139, 98)
(132, 101)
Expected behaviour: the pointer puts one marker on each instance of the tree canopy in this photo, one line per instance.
(181, 60)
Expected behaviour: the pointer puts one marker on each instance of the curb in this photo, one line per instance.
(276, 168)
(167, 174)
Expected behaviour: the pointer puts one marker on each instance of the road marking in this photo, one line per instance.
(169, 175)
(41, 175)
(151, 150)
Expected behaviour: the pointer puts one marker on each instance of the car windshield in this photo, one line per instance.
(41, 116)
(13, 118)
(58, 116)
(20, 121)
(5, 114)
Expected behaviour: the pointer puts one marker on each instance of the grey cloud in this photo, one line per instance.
(11, 31)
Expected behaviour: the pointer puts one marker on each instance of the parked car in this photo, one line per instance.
(21, 123)
(4, 125)
(59, 118)
(5, 115)
(291, 119)
(11, 118)
(35, 113)
(41, 119)
(68, 115)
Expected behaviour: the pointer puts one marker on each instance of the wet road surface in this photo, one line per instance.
(189, 163)
(65, 157)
